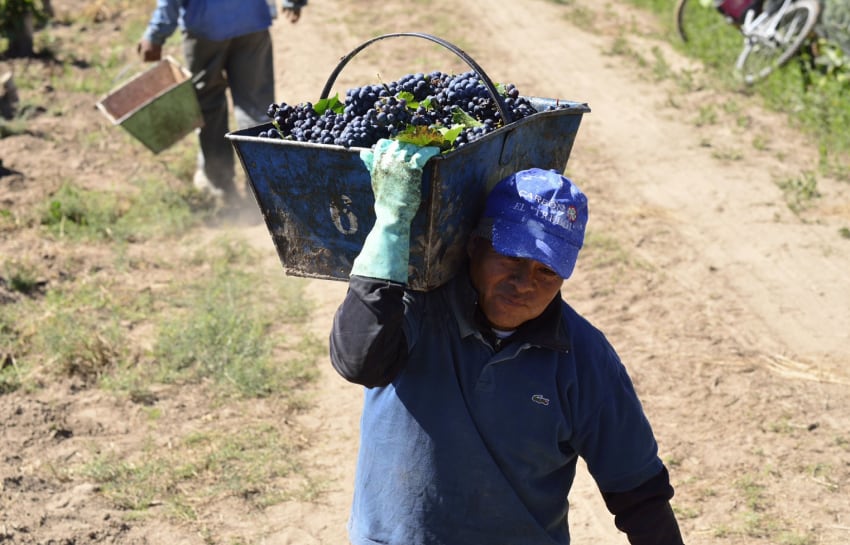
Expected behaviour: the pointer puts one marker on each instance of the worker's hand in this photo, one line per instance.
(148, 51)
(396, 172)
(292, 14)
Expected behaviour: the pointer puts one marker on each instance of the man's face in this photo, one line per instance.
(511, 290)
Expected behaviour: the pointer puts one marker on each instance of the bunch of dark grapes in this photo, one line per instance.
(378, 111)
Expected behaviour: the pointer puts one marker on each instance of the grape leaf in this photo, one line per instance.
(408, 97)
(462, 118)
(422, 136)
(450, 134)
(333, 104)
(435, 135)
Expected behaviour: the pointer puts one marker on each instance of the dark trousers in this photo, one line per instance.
(244, 65)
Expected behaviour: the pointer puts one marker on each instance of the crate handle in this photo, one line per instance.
(507, 118)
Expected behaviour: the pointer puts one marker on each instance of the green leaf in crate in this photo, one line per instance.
(409, 99)
(333, 104)
(462, 118)
(422, 136)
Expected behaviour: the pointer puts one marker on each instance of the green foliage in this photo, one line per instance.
(220, 329)
(800, 191)
(17, 21)
(20, 277)
(422, 136)
(79, 331)
(831, 63)
(12, 370)
(10, 375)
(12, 13)
(12, 127)
(834, 24)
(83, 214)
(333, 104)
(73, 211)
(248, 463)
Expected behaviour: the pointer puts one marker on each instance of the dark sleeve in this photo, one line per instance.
(367, 342)
(644, 514)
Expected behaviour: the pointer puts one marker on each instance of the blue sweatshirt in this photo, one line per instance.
(211, 19)
(467, 439)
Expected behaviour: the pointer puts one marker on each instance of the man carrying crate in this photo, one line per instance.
(482, 394)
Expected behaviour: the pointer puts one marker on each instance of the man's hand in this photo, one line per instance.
(396, 172)
(148, 51)
(292, 14)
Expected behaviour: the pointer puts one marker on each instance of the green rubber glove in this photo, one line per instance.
(396, 170)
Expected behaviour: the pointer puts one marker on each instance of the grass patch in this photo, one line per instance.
(799, 191)
(791, 538)
(20, 277)
(258, 464)
(77, 332)
(707, 116)
(12, 127)
(604, 252)
(728, 154)
(580, 16)
(233, 326)
(154, 210)
(12, 344)
(11, 376)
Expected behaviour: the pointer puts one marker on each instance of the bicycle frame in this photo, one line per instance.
(763, 26)
(774, 36)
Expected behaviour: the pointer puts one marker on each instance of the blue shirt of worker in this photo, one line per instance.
(468, 438)
(211, 19)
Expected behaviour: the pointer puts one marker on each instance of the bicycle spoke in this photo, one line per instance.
(788, 29)
(758, 61)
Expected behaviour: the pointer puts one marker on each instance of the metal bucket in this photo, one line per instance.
(317, 199)
(158, 106)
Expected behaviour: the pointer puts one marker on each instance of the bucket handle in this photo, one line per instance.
(507, 118)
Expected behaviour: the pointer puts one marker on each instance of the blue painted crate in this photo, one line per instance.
(317, 199)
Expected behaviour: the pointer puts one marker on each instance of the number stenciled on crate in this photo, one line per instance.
(341, 210)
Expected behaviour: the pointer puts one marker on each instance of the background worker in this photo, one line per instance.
(226, 44)
(482, 393)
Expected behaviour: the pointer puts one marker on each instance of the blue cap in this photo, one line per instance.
(537, 214)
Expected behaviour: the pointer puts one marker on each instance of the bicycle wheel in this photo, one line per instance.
(764, 54)
(707, 34)
(681, 28)
(697, 18)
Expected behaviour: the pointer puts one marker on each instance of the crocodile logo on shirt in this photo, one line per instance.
(539, 399)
